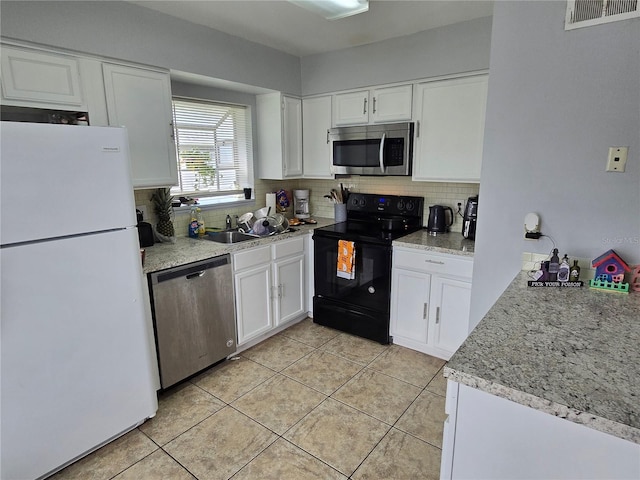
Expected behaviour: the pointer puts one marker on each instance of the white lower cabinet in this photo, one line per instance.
(288, 284)
(430, 300)
(487, 436)
(270, 287)
(253, 302)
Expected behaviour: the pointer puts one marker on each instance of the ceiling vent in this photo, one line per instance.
(585, 13)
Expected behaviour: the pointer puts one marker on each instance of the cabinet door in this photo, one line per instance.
(451, 129)
(292, 137)
(351, 108)
(391, 104)
(140, 100)
(279, 127)
(410, 307)
(253, 302)
(316, 149)
(449, 314)
(35, 79)
(289, 291)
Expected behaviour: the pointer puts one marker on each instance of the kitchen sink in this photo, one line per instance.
(229, 237)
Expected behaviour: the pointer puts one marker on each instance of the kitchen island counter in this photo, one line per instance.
(450, 243)
(569, 352)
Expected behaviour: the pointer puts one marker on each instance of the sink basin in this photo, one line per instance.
(229, 237)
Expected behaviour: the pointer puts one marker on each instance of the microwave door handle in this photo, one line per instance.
(382, 152)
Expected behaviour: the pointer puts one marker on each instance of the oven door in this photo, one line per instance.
(371, 287)
(360, 306)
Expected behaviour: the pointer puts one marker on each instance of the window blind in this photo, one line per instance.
(213, 142)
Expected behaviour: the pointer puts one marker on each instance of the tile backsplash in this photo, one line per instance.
(447, 194)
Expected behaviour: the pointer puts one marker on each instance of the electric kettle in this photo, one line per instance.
(438, 221)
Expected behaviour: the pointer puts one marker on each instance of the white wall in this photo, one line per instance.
(557, 100)
(128, 32)
(457, 48)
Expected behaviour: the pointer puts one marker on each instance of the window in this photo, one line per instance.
(213, 142)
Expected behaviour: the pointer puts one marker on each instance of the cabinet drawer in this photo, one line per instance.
(286, 248)
(433, 263)
(251, 258)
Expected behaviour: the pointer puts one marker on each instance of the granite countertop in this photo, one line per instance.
(452, 243)
(186, 250)
(570, 352)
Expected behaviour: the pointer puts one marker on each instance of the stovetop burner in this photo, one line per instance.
(377, 218)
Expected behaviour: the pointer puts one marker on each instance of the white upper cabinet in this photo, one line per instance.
(316, 149)
(279, 119)
(379, 105)
(351, 108)
(41, 79)
(391, 104)
(450, 131)
(140, 100)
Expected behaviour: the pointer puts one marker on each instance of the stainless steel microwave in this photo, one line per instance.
(384, 149)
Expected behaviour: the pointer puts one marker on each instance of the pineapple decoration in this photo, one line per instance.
(162, 206)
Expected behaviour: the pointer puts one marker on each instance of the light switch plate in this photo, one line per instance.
(617, 159)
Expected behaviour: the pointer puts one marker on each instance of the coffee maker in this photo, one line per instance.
(470, 218)
(301, 203)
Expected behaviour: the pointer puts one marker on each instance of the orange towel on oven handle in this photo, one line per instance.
(346, 267)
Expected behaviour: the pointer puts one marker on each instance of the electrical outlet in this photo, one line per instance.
(143, 209)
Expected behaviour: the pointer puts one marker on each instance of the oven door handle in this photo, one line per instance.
(382, 152)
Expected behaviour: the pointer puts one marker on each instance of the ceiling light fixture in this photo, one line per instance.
(334, 9)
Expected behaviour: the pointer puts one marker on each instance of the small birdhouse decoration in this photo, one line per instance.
(610, 271)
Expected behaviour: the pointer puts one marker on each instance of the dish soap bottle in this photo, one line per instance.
(193, 224)
(574, 274)
(554, 265)
(201, 229)
(563, 270)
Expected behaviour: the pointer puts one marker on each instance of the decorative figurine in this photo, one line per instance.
(610, 270)
(635, 279)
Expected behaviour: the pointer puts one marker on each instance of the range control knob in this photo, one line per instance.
(354, 202)
(363, 202)
(410, 206)
(400, 205)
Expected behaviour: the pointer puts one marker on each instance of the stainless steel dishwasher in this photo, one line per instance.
(194, 317)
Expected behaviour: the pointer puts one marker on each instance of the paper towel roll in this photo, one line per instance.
(271, 202)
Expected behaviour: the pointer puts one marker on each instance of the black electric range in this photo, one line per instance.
(361, 305)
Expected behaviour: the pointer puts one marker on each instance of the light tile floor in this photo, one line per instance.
(308, 403)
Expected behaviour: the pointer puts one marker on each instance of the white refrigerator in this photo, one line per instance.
(77, 358)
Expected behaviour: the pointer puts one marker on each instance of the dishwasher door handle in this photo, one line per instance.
(195, 275)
